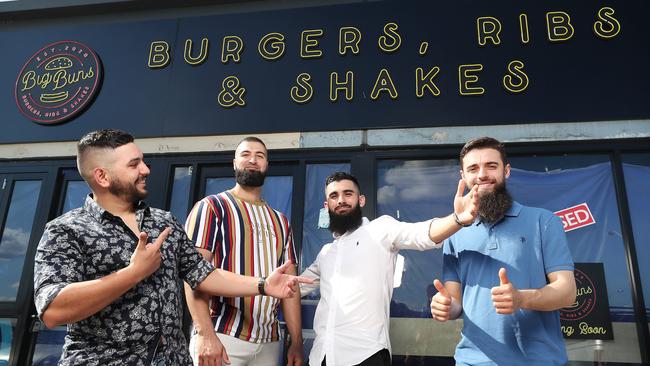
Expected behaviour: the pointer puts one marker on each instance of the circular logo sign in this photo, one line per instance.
(58, 82)
(585, 298)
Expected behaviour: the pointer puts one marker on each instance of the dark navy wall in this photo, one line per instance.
(582, 79)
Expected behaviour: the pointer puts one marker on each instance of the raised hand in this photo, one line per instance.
(146, 258)
(466, 207)
(505, 297)
(440, 303)
(281, 285)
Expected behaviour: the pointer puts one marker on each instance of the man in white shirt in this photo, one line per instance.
(356, 272)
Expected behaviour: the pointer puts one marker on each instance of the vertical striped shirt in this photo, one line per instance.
(248, 238)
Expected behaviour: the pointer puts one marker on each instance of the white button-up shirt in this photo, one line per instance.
(356, 284)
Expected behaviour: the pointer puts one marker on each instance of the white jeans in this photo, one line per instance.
(242, 353)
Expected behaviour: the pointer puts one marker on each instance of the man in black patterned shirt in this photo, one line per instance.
(120, 295)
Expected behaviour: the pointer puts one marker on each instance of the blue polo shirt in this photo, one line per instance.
(529, 243)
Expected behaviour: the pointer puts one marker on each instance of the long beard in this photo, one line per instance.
(492, 206)
(341, 224)
(250, 178)
(128, 191)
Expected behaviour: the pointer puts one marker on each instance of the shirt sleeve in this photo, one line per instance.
(202, 226)
(192, 268)
(450, 268)
(290, 253)
(555, 248)
(58, 263)
(405, 235)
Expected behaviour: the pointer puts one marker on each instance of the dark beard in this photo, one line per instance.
(492, 206)
(250, 178)
(129, 192)
(341, 224)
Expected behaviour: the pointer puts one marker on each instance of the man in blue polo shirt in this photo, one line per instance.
(507, 273)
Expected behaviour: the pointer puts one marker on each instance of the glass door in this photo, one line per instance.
(21, 202)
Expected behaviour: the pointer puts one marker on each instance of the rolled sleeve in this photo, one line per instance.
(58, 263)
(198, 273)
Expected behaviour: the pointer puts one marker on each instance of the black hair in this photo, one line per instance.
(107, 138)
(339, 176)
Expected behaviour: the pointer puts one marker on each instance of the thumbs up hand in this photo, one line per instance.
(440, 303)
(505, 297)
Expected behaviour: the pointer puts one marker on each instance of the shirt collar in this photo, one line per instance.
(364, 221)
(514, 210)
(98, 212)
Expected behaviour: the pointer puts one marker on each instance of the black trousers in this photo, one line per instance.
(381, 358)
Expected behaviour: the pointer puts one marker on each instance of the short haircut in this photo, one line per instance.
(339, 176)
(253, 139)
(101, 139)
(484, 143)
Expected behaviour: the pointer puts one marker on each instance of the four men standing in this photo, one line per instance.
(506, 272)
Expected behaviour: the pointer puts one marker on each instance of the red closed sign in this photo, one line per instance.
(576, 217)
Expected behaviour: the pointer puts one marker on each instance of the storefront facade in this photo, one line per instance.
(387, 90)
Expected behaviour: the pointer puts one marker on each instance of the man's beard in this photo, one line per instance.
(129, 192)
(492, 206)
(342, 223)
(250, 178)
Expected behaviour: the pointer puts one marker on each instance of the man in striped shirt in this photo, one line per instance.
(237, 231)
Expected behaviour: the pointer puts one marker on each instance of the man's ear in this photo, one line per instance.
(325, 205)
(507, 168)
(101, 177)
(234, 167)
(362, 200)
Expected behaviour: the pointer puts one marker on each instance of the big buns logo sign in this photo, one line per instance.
(58, 82)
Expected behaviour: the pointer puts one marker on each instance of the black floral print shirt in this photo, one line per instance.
(89, 243)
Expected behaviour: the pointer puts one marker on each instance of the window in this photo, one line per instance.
(636, 168)
(411, 191)
(179, 200)
(16, 233)
(7, 327)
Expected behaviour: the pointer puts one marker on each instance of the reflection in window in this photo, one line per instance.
(75, 194)
(277, 191)
(15, 235)
(181, 192)
(7, 327)
(49, 345)
(413, 191)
